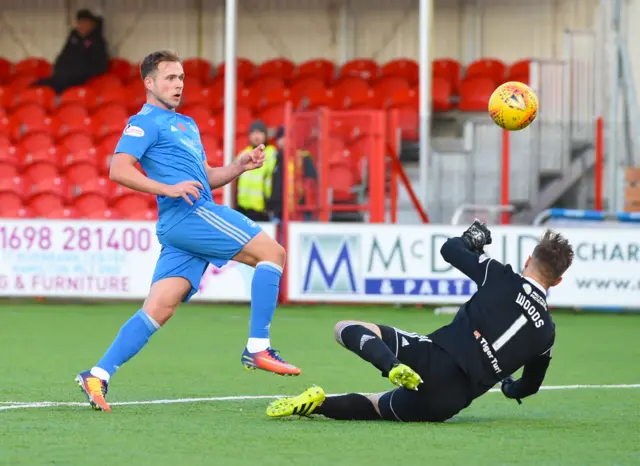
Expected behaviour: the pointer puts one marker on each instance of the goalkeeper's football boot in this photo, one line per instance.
(95, 389)
(301, 405)
(268, 360)
(403, 376)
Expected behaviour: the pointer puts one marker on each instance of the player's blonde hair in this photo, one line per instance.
(150, 63)
(552, 256)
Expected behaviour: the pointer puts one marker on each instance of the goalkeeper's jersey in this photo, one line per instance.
(503, 327)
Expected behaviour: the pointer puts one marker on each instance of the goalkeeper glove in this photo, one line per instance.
(477, 236)
(505, 384)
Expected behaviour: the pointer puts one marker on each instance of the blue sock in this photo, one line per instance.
(264, 297)
(133, 335)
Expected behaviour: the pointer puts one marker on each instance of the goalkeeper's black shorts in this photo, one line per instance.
(445, 389)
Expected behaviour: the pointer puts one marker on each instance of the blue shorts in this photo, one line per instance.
(211, 233)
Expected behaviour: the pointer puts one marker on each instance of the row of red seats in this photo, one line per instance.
(57, 197)
(247, 70)
(248, 73)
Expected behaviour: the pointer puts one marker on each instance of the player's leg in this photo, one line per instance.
(219, 234)
(176, 278)
(375, 344)
(268, 257)
(349, 407)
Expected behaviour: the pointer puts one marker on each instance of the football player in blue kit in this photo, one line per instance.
(192, 230)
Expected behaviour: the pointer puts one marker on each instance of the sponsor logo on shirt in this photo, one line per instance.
(134, 131)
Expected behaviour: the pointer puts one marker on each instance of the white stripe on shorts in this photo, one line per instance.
(226, 223)
(220, 227)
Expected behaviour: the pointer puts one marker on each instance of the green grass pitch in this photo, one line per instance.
(197, 355)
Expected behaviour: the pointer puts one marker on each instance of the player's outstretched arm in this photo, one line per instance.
(465, 252)
(123, 172)
(532, 377)
(249, 160)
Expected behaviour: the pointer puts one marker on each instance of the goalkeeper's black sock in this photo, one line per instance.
(351, 407)
(368, 346)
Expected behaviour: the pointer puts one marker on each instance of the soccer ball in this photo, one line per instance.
(513, 106)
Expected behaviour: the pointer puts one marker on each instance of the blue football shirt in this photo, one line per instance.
(169, 149)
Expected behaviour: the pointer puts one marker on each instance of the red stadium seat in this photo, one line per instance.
(104, 83)
(102, 214)
(364, 68)
(112, 95)
(386, 86)
(245, 70)
(14, 184)
(47, 194)
(198, 68)
(196, 110)
(215, 158)
(351, 84)
(8, 153)
(441, 95)
(12, 193)
(71, 111)
(140, 215)
(78, 95)
(61, 213)
(17, 212)
(121, 195)
(45, 97)
(8, 168)
(487, 68)
(6, 97)
(341, 177)
(111, 111)
(131, 203)
(108, 124)
(277, 67)
(449, 70)
(302, 89)
(475, 94)
(73, 124)
(262, 86)
(209, 144)
(90, 202)
(29, 111)
(41, 170)
(77, 144)
(92, 194)
(122, 68)
(519, 71)
(319, 68)
(9, 200)
(104, 152)
(136, 96)
(403, 68)
(317, 99)
(80, 172)
(33, 66)
(6, 68)
(19, 82)
(18, 127)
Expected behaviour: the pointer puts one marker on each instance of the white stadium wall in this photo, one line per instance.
(303, 29)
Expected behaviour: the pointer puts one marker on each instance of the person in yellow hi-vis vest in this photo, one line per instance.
(253, 186)
(275, 203)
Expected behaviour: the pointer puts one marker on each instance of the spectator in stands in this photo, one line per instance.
(83, 57)
(305, 166)
(253, 186)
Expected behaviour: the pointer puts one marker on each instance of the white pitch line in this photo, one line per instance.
(7, 405)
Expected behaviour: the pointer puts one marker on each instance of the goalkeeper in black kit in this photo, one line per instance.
(503, 327)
